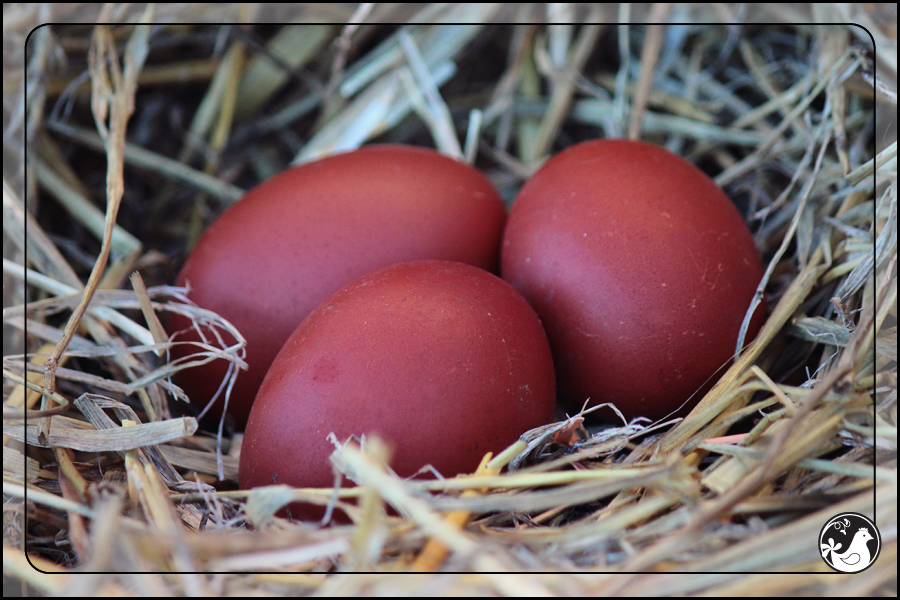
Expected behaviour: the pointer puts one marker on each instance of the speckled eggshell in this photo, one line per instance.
(641, 270)
(442, 360)
(300, 236)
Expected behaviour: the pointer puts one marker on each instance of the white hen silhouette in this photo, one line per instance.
(854, 558)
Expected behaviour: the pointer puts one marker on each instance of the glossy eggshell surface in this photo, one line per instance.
(442, 360)
(641, 270)
(300, 236)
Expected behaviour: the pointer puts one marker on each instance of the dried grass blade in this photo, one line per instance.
(146, 159)
(355, 124)
(436, 113)
(64, 435)
(585, 534)
(23, 230)
(846, 469)
(821, 331)
(598, 111)
(362, 469)
(293, 46)
(200, 461)
(19, 466)
(150, 492)
(438, 43)
(649, 56)
(17, 489)
(118, 101)
(83, 210)
(283, 559)
(220, 133)
(781, 548)
(44, 575)
(564, 88)
(159, 333)
(473, 134)
(867, 169)
(761, 287)
(435, 553)
(734, 171)
(675, 476)
(19, 397)
(205, 114)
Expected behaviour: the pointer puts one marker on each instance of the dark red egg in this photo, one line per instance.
(641, 270)
(300, 236)
(444, 361)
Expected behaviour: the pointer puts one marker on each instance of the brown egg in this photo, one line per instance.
(302, 235)
(641, 270)
(442, 360)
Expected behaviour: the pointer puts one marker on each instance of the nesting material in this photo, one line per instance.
(138, 135)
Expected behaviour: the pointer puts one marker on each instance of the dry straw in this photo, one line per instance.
(797, 121)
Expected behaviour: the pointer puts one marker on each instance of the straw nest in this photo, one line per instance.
(797, 122)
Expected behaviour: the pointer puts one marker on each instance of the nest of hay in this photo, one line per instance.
(123, 141)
